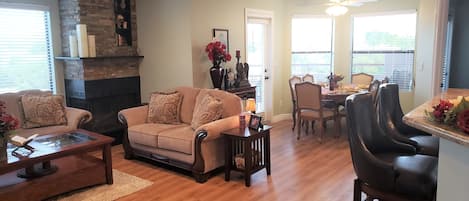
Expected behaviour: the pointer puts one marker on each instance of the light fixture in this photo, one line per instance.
(251, 105)
(336, 10)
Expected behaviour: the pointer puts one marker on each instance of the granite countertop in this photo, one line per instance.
(417, 119)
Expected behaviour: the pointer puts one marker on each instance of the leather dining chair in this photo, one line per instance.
(373, 89)
(386, 169)
(362, 78)
(390, 120)
(308, 78)
(310, 107)
(292, 81)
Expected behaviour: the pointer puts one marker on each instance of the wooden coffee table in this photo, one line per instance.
(58, 164)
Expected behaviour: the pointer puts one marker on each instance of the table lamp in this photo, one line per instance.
(251, 105)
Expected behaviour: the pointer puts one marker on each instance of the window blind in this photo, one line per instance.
(312, 47)
(25, 50)
(384, 46)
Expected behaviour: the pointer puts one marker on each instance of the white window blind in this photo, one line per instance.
(25, 50)
(384, 45)
(312, 47)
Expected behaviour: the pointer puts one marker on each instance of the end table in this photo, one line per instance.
(247, 150)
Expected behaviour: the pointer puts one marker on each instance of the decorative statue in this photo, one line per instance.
(242, 73)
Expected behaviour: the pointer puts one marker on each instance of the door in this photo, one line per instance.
(259, 58)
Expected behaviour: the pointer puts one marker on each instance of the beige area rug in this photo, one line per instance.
(124, 184)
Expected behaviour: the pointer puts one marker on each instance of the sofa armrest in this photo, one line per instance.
(133, 116)
(214, 128)
(76, 118)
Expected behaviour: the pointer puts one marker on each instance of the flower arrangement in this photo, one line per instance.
(451, 112)
(217, 53)
(7, 122)
(335, 77)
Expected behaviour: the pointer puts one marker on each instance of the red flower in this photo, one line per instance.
(216, 52)
(7, 122)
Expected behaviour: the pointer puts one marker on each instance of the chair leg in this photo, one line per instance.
(357, 191)
(321, 130)
(337, 124)
(293, 114)
(299, 128)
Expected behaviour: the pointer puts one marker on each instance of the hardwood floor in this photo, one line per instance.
(301, 170)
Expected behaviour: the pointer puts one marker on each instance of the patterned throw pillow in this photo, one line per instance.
(40, 111)
(207, 110)
(164, 108)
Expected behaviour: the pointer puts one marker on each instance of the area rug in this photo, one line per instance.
(124, 184)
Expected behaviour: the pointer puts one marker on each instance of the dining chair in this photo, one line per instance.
(386, 169)
(309, 107)
(362, 78)
(308, 78)
(292, 81)
(390, 120)
(373, 89)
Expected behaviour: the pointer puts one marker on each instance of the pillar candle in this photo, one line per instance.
(73, 45)
(82, 37)
(92, 45)
(238, 53)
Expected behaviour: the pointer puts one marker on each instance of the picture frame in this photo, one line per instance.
(222, 36)
(255, 122)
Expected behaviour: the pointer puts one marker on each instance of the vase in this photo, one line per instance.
(3, 148)
(217, 74)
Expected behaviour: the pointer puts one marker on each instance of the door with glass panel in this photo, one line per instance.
(258, 54)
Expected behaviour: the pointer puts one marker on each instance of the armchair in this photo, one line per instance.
(386, 169)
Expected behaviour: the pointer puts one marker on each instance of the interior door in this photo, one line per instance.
(259, 56)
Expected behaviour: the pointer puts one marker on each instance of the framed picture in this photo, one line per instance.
(222, 36)
(255, 122)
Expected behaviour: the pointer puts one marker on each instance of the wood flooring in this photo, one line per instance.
(301, 170)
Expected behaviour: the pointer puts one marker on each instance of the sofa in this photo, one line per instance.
(74, 117)
(199, 150)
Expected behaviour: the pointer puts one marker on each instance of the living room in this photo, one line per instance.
(167, 51)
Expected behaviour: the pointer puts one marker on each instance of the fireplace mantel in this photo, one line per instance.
(96, 58)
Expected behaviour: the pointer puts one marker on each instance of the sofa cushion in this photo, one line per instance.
(189, 95)
(206, 110)
(147, 134)
(231, 102)
(178, 139)
(164, 108)
(11, 101)
(40, 111)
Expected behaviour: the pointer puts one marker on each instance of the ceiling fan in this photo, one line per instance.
(339, 7)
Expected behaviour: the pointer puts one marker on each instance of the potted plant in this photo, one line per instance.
(216, 52)
(7, 123)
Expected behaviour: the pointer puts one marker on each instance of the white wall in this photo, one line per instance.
(55, 32)
(164, 39)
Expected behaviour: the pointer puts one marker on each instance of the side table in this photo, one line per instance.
(247, 151)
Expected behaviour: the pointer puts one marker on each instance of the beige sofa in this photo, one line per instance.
(200, 150)
(75, 117)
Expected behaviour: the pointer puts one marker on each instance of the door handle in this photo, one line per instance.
(266, 77)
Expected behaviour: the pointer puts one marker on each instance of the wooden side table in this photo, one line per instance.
(247, 151)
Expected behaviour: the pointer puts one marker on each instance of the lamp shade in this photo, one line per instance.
(336, 10)
(251, 105)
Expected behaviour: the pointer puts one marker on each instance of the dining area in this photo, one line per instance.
(324, 101)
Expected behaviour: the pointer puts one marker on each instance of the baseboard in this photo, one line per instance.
(281, 117)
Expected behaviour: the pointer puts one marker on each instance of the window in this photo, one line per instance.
(25, 49)
(312, 47)
(384, 45)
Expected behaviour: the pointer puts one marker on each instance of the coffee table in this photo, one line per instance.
(59, 163)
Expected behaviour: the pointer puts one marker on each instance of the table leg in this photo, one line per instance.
(267, 152)
(108, 163)
(247, 162)
(228, 158)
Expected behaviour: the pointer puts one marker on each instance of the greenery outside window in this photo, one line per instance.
(312, 46)
(26, 58)
(384, 46)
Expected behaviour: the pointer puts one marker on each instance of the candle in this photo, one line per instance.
(91, 45)
(73, 45)
(82, 37)
(238, 53)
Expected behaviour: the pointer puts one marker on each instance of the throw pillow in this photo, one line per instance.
(40, 111)
(207, 110)
(164, 108)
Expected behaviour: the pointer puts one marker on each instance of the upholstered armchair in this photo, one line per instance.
(292, 82)
(390, 120)
(75, 118)
(386, 169)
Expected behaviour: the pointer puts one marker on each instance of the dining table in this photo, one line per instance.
(453, 156)
(340, 94)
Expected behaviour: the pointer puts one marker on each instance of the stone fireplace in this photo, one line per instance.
(109, 82)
